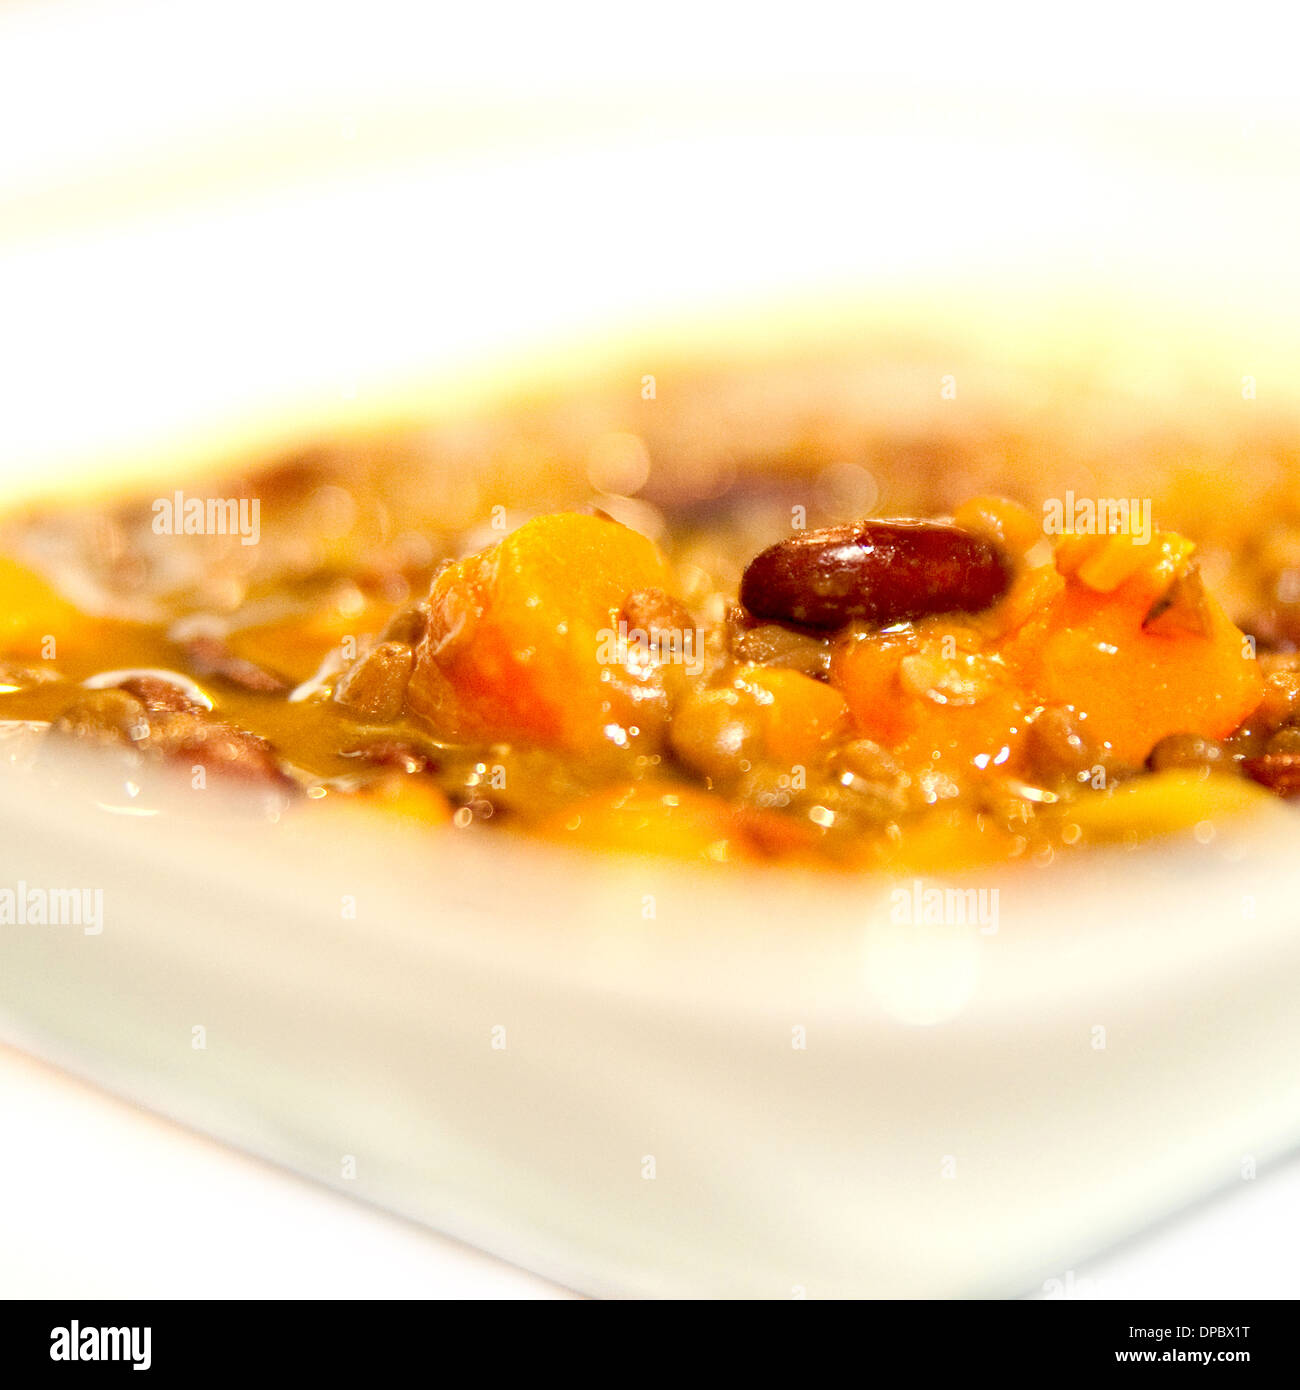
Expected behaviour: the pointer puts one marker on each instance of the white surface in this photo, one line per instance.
(118, 1203)
(950, 1127)
(1240, 1245)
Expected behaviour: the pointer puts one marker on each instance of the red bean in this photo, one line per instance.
(221, 748)
(878, 572)
(159, 695)
(399, 754)
(1279, 772)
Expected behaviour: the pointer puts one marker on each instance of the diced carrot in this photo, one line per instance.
(297, 645)
(520, 637)
(660, 818)
(944, 840)
(797, 713)
(406, 797)
(1167, 802)
(1013, 527)
(866, 671)
(34, 618)
(908, 692)
(412, 798)
(1083, 643)
(1089, 649)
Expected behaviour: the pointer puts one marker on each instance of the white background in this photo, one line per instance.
(104, 1200)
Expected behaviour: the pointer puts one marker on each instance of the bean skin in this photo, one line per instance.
(879, 572)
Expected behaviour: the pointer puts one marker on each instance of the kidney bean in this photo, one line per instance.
(115, 718)
(159, 695)
(1281, 702)
(221, 748)
(104, 717)
(399, 754)
(1279, 772)
(878, 572)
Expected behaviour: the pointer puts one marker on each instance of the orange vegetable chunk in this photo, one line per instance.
(32, 615)
(799, 714)
(1079, 642)
(518, 639)
(657, 817)
(1136, 686)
